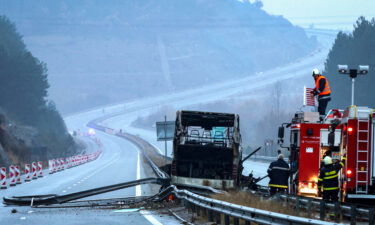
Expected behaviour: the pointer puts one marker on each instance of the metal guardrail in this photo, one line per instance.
(214, 209)
(59, 199)
(352, 211)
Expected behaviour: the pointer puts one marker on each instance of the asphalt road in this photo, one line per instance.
(119, 162)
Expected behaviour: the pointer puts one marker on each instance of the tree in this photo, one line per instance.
(353, 49)
(24, 77)
(24, 90)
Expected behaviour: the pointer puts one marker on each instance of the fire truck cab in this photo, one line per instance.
(351, 132)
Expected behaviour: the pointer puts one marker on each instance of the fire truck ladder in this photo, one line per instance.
(363, 154)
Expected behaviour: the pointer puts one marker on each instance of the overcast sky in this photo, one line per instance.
(340, 14)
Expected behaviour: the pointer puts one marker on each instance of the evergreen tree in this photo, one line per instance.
(23, 92)
(23, 77)
(357, 48)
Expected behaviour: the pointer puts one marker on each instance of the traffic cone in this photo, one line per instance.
(27, 172)
(18, 174)
(3, 178)
(12, 176)
(40, 169)
(34, 171)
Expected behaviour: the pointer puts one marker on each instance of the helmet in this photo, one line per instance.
(327, 160)
(315, 72)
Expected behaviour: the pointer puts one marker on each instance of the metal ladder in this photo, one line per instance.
(364, 151)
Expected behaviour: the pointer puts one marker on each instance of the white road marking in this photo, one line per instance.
(138, 192)
(150, 218)
(64, 191)
(23, 218)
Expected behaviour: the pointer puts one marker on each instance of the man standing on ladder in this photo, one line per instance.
(323, 91)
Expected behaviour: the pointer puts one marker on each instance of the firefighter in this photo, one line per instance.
(328, 178)
(278, 173)
(323, 91)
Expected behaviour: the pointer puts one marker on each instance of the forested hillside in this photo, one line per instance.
(117, 50)
(357, 48)
(23, 102)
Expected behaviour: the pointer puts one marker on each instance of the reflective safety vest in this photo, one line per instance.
(328, 176)
(326, 90)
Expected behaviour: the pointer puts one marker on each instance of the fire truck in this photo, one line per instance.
(349, 131)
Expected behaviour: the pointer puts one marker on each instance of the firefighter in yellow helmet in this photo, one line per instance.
(328, 178)
(323, 91)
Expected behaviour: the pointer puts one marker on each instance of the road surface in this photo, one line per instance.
(119, 162)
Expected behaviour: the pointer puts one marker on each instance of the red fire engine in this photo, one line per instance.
(351, 132)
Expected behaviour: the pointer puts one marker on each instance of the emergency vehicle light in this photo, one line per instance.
(350, 129)
(349, 172)
(298, 125)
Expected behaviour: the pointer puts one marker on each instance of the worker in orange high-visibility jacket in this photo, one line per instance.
(323, 91)
(329, 178)
(278, 172)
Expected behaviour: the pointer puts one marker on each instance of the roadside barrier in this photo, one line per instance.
(50, 166)
(12, 176)
(58, 165)
(27, 172)
(40, 169)
(34, 170)
(18, 174)
(62, 164)
(3, 178)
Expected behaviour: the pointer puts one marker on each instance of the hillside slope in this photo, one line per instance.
(116, 50)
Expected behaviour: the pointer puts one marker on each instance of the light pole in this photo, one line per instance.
(353, 73)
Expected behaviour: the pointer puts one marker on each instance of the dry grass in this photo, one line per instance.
(258, 202)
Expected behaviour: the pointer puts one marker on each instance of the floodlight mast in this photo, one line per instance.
(362, 70)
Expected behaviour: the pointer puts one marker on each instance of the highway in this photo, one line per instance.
(120, 160)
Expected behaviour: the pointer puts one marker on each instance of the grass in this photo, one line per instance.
(258, 202)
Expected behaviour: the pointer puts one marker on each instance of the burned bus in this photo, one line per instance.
(206, 150)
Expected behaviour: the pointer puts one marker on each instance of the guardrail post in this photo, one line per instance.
(322, 210)
(198, 209)
(236, 221)
(204, 212)
(337, 212)
(353, 212)
(193, 209)
(309, 207)
(297, 205)
(218, 218)
(210, 216)
(371, 215)
(226, 220)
